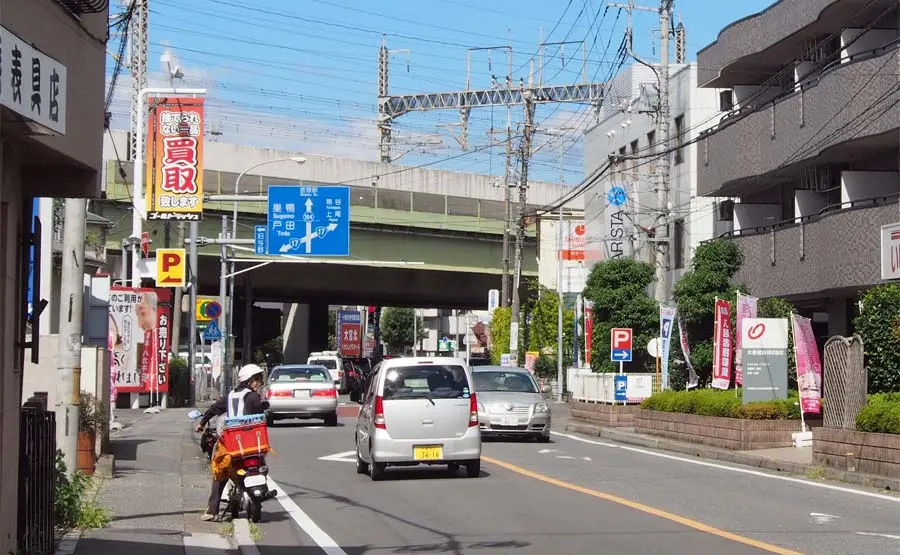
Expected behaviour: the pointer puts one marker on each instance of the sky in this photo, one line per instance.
(302, 75)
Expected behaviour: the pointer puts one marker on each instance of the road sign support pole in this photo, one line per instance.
(223, 296)
(194, 263)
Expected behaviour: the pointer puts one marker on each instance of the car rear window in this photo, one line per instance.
(299, 375)
(329, 363)
(504, 381)
(431, 381)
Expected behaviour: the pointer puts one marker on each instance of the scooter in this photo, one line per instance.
(248, 487)
(208, 438)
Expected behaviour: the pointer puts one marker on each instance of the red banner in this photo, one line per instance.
(139, 322)
(722, 347)
(350, 334)
(746, 308)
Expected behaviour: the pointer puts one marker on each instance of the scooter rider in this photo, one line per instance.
(244, 400)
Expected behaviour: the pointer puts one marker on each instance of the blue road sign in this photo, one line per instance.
(617, 195)
(620, 355)
(212, 332)
(309, 221)
(621, 387)
(260, 235)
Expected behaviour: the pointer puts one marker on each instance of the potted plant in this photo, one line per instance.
(92, 414)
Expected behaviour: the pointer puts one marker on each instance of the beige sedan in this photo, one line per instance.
(301, 391)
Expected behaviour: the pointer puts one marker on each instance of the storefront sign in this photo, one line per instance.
(764, 346)
(33, 84)
(175, 160)
(349, 333)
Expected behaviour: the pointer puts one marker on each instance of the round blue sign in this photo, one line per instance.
(617, 195)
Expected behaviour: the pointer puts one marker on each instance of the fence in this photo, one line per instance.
(37, 467)
(601, 388)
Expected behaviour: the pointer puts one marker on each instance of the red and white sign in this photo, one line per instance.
(574, 240)
(809, 365)
(764, 333)
(588, 330)
(145, 243)
(139, 326)
(350, 330)
(890, 251)
(722, 346)
(620, 338)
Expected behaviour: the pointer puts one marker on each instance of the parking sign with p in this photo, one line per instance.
(620, 340)
(170, 267)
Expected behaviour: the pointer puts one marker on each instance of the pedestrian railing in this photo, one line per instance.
(37, 467)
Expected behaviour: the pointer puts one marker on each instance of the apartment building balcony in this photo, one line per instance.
(751, 50)
(848, 111)
(821, 250)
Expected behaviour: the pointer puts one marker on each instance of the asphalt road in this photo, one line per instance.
(572, 496)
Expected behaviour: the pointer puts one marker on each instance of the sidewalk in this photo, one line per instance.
(160, 487)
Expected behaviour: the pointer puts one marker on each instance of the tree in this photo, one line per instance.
(332, 329)
(618, 289)
(499, 333)
(879, 326)
(397, 328)
(776, 307)
(715, 263)
(543, 322)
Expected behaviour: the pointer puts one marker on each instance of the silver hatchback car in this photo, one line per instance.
(510, 403)
(301, 391)
(419, 411)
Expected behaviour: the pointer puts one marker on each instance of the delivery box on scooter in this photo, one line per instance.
(246, 435)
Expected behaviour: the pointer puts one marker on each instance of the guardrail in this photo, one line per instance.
(584, 385)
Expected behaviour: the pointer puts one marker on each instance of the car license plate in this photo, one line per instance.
(255, 480)
(301, 393)
(509, 421)
(428, 452)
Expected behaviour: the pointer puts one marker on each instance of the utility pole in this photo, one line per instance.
(507, 213)
(223, 300)
(515, 317)
(661, 236)
(662, 230)
(68, 384)
(138, 67)
(176, 305)
(194, 262)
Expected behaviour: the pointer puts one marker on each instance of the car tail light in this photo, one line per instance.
(328, 392)
(473, 411)
(278, 393)
(379, 413)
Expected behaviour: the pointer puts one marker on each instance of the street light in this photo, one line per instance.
(229, 306)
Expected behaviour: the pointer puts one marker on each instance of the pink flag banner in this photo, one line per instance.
(745, 308)
(809, 365)
(723, 343)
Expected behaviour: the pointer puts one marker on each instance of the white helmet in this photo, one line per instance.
(248, 371)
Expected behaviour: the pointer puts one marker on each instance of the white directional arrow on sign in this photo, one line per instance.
(308, 217)
(294, 244)
(620, 354)
(346, 456)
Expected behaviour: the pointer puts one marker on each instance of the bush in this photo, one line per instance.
(545, 367)
(179, 382)
(878, 324)
(881, 414)
(714, 402)
(69, 504)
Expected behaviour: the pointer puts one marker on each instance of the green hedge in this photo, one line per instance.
(881, 414)
(715, 402)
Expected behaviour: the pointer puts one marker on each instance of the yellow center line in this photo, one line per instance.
(643, 508)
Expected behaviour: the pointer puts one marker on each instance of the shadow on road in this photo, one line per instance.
(126, 449)
(302, 424)
(450, 546)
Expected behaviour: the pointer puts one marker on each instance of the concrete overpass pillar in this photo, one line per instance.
(295, 332)
(318, 326)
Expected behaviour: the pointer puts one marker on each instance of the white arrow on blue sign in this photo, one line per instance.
(621, 355)
(212, 332)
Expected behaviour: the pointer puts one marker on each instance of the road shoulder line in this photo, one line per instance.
(303, 520)
(699, 526)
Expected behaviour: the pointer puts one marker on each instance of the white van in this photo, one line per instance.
(331, 360)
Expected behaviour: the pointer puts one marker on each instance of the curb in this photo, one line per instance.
(736, 457)
(68, 543)
(243, 538)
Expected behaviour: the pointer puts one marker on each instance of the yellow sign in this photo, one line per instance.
(207, 309)
(170, 267)
(175, 160)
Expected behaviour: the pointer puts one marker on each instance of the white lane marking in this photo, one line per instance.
(564, 457)
(199, 543)
(313, 427)
(586, 458)
(822, 518)
(758, 473)
(889, 536)
(319, 536)
(340, 457)
(545, 451)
